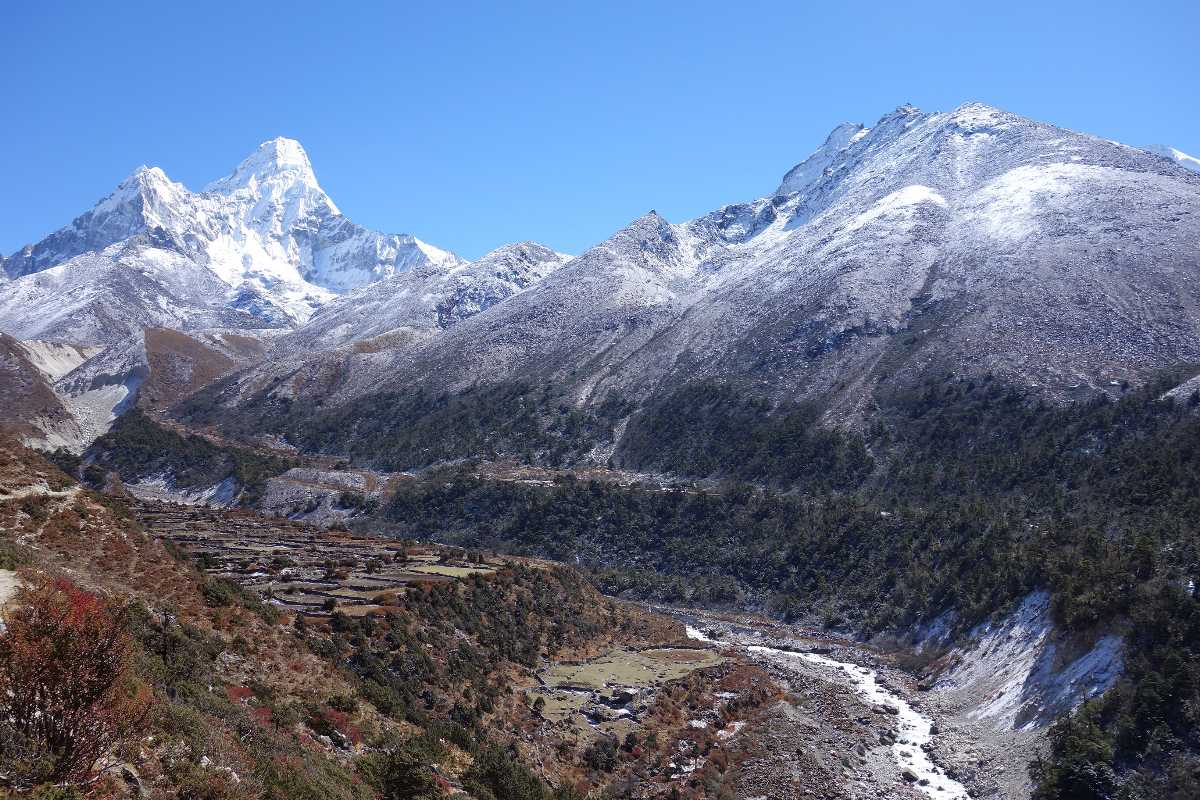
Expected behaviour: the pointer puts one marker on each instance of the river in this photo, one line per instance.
(914, 730)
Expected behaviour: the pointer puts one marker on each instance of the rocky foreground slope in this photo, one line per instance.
(281, 660)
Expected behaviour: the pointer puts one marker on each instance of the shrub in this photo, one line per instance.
(66, 685)
(400, 774)
(219, 592)
(601, 754)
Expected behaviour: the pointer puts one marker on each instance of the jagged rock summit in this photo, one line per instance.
(267, 231)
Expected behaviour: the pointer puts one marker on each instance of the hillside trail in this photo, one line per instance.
(39, 490)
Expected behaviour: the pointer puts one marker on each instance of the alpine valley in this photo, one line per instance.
(885, 484)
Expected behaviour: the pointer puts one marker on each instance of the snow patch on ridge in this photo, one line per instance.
(56, 359)
(1011, 676)
(897, 201)
(813, 169)
(1008, 207)
(1178, 156)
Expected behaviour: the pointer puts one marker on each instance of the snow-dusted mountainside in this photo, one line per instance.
(264, 240)
(425, 300)
(974, 240)
(1178, 156)
(256, 251)
(108, 297)
(971, 241)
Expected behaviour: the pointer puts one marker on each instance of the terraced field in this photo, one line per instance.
(301, 567)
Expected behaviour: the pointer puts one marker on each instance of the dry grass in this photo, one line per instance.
(621, 667)
(452, 572)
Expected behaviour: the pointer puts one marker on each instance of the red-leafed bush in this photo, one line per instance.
(333, 723)
(262, 715)
(67, 695)
(238, 694)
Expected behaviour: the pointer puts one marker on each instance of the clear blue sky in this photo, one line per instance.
(472, 125)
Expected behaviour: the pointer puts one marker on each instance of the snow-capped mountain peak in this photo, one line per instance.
(266, 229)
(146, 199)
(277, 166)
(973, 114)
(141, 178)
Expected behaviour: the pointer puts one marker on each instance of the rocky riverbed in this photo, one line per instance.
(852, 726)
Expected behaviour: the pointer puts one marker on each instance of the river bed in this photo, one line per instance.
(914, 730)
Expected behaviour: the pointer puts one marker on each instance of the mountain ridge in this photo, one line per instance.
(970, 240)
(973, 239)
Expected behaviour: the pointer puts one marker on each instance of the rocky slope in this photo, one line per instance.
(57, 394)
(425, 300)
(282, 661)
(33, 409)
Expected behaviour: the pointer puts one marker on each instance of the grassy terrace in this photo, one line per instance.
(612, 694)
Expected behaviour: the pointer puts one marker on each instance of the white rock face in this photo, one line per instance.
(55, 359)
(267, 232)
(1012, 676)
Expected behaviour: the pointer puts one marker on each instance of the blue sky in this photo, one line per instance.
(471, 125)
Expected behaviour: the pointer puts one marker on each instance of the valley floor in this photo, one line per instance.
(852, 726)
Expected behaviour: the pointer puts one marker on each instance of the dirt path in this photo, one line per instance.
(38, 490)
(9, 584)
